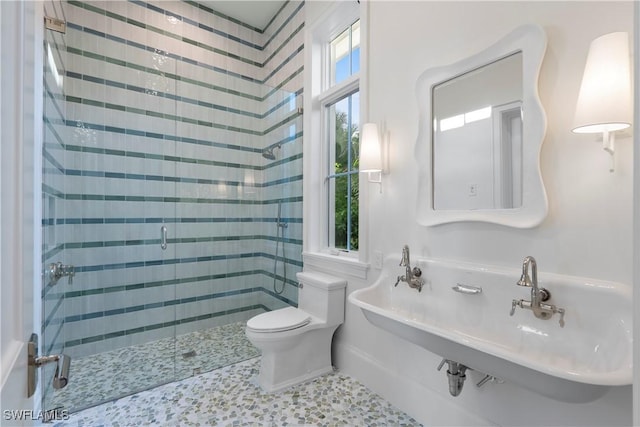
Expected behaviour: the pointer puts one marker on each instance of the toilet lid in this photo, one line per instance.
(279, 320)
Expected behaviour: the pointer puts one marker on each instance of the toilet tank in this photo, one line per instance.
(322, 296)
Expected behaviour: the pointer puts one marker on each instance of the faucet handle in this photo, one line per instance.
(57, 270)
(560, 311)
(514, 304)
(398, 281)
(545, 295)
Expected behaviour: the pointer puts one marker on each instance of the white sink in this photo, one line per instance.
(575, 363)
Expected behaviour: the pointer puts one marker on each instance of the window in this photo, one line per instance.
(345, 54)
(342, 176)
(341, 113)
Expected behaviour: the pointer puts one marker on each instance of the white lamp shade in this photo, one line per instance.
(604, 103)
(370, 157)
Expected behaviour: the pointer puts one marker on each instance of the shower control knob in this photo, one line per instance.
(58, 270)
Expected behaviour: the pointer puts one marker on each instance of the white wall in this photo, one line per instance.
(587, 232)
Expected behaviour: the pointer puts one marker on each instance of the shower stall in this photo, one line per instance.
(160, 208)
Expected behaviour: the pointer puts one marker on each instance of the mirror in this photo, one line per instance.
(477, 138)
(481, 129)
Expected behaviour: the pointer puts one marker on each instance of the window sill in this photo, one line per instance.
(335, 264)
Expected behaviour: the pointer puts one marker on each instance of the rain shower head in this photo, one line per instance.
(267, 153)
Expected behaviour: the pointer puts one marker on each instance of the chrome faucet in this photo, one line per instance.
(538, 294)
(412, 276)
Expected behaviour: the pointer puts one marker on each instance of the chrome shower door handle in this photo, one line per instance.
(163, 237)
(63, 365)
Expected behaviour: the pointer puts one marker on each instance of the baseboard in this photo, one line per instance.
(422, 403)
(308, 376)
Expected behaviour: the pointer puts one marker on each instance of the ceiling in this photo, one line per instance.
(257, 13)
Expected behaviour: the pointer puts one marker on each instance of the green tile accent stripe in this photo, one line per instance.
(159, 283)
(184, 260)
(222, 15)
(154, 29)
(183, 180)
(240, 23)
(169, 324)
(56, 340)
(52, 98)
(167, 95)
(180, 159)
(199, 25)
(284, 23)
(173, 199)
(51, 253)
(133, 66)
(185, 240)
(205, 123)
(177, 301)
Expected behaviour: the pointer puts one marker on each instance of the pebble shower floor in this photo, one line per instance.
(106, 376)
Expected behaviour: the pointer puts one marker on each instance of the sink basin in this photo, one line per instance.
(575, 363)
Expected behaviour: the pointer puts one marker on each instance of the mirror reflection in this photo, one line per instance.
(477, 138)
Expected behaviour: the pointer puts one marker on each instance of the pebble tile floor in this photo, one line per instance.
(227, 396)
(117, 373)
(230, 397)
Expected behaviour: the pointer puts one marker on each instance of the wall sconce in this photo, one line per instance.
(371, 153)
(604, 102)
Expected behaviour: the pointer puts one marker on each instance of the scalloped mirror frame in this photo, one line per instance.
(531, 40)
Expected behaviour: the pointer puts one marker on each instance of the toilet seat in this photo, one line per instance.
(284, 319)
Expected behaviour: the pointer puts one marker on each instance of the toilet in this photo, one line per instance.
(296, 342)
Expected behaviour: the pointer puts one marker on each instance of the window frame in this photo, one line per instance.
(332, 93)
(327, 99)
(324, 24)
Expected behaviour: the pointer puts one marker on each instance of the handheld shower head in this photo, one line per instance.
(267, 153)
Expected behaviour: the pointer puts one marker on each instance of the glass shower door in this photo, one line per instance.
(109, 185)
(52, 339)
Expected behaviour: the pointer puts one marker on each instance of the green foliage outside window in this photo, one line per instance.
(346, 187)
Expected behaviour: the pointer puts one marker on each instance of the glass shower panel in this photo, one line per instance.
(109, 204)
(54, 227)
(282, 197)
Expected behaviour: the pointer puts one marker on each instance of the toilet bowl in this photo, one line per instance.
(296, 342)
